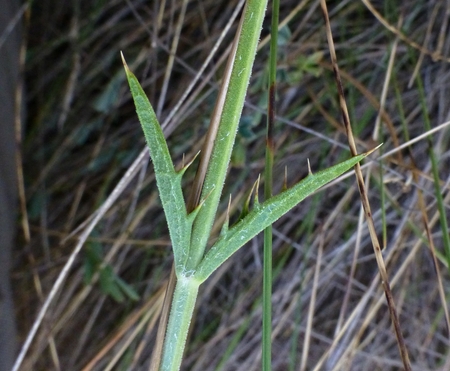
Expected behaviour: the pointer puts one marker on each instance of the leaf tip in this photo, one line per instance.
(285, 186)
(124, 62)
(226, 224)
(373, 150)
(309, 167)
(256, 186)
(184, 166)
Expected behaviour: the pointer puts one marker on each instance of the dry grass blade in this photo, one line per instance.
(152, 305)
(425, 42)
(173, 51)
(162, 326)
(429, 235)
(311, 308)
(364, 198)
(65, 271)
(18, 125)
(436, 55)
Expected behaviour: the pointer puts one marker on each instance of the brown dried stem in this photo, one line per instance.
(364, 198)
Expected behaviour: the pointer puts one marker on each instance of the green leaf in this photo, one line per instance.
(126, 289)
(265, 214)
(108, 284)
(109, 97)
(238, 156)
(167, 179)
(92, 260)
(284, 35)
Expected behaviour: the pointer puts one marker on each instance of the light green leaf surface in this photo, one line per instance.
(265, 214)
(250, 30)
(167, 179)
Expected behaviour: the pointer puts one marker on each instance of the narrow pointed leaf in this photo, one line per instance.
(266, 214)
(167, 179)
(249, 33)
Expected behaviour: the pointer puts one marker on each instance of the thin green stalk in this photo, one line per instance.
(268, 180)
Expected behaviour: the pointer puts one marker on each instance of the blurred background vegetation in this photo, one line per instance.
(81, 135)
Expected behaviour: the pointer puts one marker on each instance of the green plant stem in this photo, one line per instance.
(267, 301)
(268, 181)
(184, 298)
